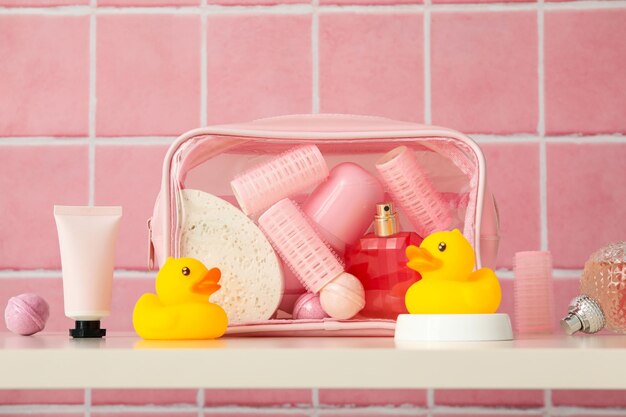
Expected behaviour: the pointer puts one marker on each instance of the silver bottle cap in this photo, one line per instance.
(584, 315)
(386, 220)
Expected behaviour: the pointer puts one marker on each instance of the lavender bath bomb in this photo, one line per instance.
(308, 306)
(26, 314)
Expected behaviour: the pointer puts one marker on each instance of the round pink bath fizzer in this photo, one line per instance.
(308, 306)
(26, 314)
(343, 297)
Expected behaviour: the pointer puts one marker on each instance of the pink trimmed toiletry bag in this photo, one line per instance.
(208, 158)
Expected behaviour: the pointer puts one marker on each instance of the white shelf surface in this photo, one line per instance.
(125, 361)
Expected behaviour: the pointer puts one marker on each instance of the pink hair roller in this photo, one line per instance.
(342, 295)
(289, 173)
(413, 191)
(533, 292)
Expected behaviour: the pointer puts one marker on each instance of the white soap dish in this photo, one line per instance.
(453, 327)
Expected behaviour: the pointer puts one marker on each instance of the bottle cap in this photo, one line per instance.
(584, 315)
(87, 329)
(386, 220)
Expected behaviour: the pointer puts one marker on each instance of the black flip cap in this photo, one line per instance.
(87, 329)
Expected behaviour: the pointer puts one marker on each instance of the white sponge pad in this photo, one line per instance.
(220, 235)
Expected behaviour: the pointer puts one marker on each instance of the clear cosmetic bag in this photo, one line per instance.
(207, 159)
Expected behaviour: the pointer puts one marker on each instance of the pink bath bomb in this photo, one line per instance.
(343, 297)
(308, 306)
(26, 314)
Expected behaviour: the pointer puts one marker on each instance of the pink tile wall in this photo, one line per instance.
(32, 180)
(148, 70)
(176, 64)
(44, 75)
(584, 62)
(130, 177)
(143, 396)
(372, 64)
(258, 398)
(365, 397)
(513, 176)
(258, 66)
(586, 196)
(490, 398)
(484, 71)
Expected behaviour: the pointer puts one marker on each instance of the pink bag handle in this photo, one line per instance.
(271, 129)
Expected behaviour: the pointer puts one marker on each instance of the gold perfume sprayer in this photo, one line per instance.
(386, 220)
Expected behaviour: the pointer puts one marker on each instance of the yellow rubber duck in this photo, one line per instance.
(180, 309)
(448, 286)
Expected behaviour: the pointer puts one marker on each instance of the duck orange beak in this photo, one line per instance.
(421, 260)
(209, 283)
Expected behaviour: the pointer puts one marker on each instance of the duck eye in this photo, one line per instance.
(442, 246)
(186, 271)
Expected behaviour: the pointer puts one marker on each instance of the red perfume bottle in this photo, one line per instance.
(379, 261)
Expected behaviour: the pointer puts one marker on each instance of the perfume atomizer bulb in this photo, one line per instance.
(584, 315)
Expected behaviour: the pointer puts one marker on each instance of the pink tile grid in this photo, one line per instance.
(369, 2)
(371, 397)
(586, 199)
(490, 398)
(147, 3)
(44, 414)
(209, 413)
(473, 88)
(42, 396)
(584, 66)
(32, 180)
(372, 64)
(258, 66)
(582, 413)
(126, 291)
(44, 75)
(480, 1)
(41, 3)
(258, 397)
(145, 414)
(148, 74)
(478, 414)
(130, 177)
(255, 2)
(143, 396)
(386, 413)
(590, 399)
(513, 177)
(178, 402)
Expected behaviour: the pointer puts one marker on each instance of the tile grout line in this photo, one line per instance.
(87, 402)
(204, 65)
(315, 57)
(315, 402)
(430, 401)
(426, 56)
(200, 402)
(547, 402)
(543, 164)
(92, 104)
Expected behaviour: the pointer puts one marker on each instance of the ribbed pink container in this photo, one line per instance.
(533, 292)
(413, 191)
(289, 173)
(293, 237)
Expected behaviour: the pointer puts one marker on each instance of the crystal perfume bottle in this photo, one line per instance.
(603, 288)
(379, 260)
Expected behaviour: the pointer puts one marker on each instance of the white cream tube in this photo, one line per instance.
(87, 238)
